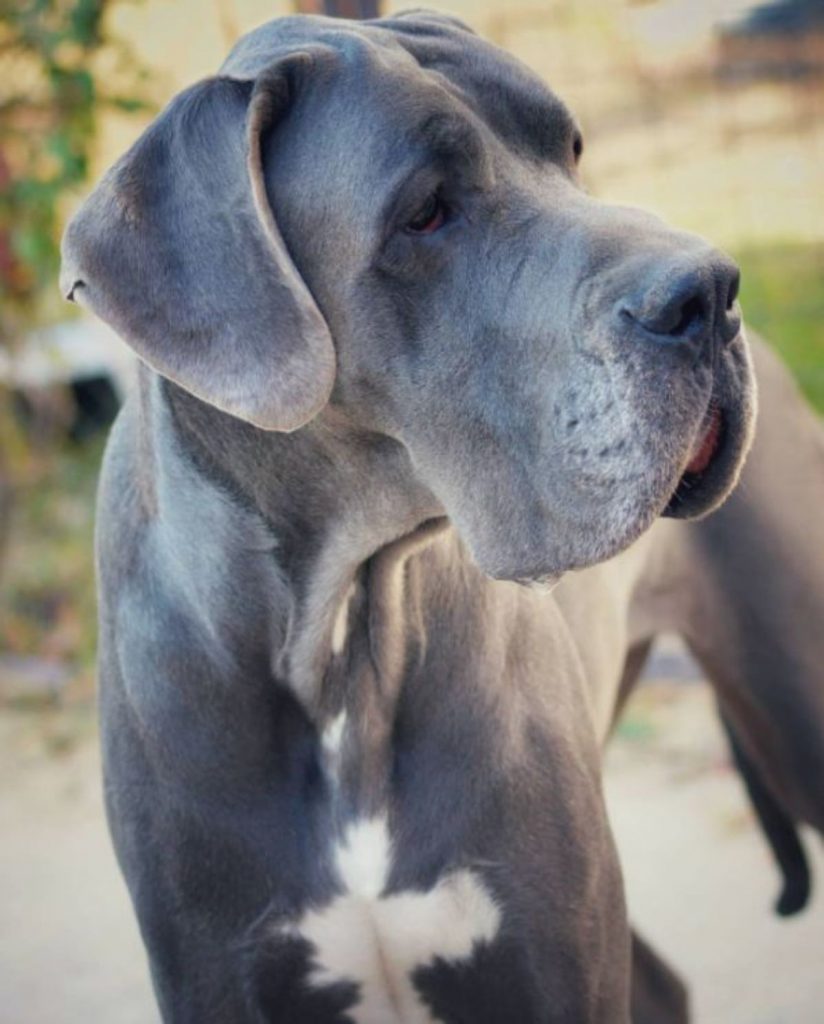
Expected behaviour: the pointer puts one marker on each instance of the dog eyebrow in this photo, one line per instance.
(523, 112)
(446, 135)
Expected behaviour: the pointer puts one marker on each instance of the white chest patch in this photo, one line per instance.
(333, 736)
(377, 941)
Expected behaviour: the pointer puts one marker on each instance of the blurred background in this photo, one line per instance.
(711, 113)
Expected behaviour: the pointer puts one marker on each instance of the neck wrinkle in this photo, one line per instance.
(364, 681)
(335, 498)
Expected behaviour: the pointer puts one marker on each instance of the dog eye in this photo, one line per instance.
(577, 146)
(431, 216)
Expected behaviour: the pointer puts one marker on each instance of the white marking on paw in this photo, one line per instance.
(378, 941)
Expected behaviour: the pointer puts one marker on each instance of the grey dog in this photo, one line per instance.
(400, 376)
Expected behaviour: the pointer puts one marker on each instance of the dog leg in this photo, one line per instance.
(658, 994)
(755, 614)
(633, 666)
(778, 828)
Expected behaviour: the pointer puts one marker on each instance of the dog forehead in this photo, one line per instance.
(501, 91)
(511, 99)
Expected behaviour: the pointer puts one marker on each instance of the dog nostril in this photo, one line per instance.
(679, 309)
(691, 314)
(732, 292)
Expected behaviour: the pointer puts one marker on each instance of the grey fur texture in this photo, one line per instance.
(353, 441)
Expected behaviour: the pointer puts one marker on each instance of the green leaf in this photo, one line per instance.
(39, 165)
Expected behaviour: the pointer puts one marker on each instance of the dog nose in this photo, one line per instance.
(697, 304)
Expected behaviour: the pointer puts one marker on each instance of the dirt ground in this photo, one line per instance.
(699, 879)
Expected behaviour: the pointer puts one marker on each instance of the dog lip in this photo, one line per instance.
(709, 440)
(701, 473)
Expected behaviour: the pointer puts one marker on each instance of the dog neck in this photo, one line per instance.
(344, 511)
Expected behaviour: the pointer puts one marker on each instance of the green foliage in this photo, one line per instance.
(50, 101)
(47, 598)
(782, 295)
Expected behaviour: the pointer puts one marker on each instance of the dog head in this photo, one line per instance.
(387, 217)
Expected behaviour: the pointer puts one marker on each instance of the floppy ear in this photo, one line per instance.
(179, 251)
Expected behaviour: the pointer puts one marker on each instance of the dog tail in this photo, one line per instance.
(779, 829)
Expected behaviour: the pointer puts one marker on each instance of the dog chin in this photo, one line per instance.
(590, 543)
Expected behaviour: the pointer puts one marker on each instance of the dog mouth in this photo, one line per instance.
(705, 465)
(708, 444)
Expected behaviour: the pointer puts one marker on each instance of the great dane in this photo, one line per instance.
(400, 377)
